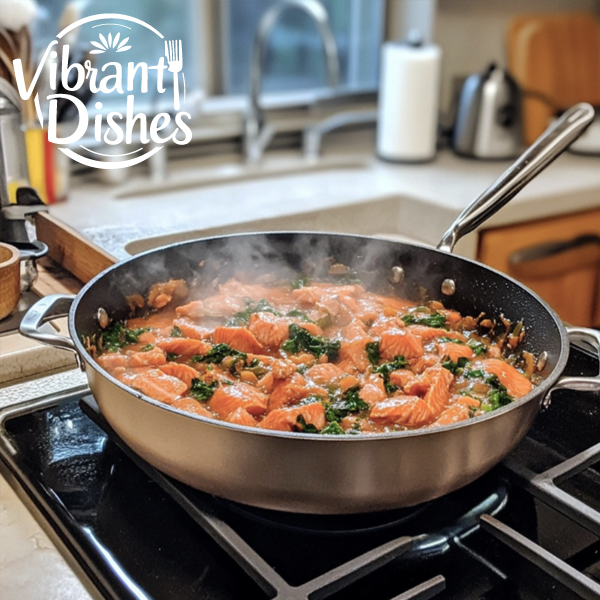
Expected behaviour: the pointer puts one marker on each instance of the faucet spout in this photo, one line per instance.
(257, 135)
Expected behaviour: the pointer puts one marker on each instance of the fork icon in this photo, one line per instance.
(174, 57)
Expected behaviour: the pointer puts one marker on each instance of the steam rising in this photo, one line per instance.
(285, 256)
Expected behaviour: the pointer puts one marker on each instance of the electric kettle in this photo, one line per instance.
(488, 121)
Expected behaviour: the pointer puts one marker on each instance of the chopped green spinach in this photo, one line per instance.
(478, 348)
(172, 356)
(146, 348)
(217, 353)
(373, 354)
(202, 391)
(176, 332)
(434, 320)
(349, 402)
(304, 426)
(499, 396)
(474, 374)
(302, 340)
(387, 368)
(243, 317)
(456, 368)
(333, 428)
(116, 336)
(302, 281)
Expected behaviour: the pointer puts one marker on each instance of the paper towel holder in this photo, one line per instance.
(407, 127)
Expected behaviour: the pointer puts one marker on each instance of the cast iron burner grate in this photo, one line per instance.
(203, 510)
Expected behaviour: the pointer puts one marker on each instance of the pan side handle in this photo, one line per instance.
(581, 384)
(46, 309)
(551, 144)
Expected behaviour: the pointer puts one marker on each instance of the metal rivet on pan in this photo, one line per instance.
(541, 363)
(397, 274)
(448, 287)
(103, 319)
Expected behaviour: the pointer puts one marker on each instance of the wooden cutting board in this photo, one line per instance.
(556, 57)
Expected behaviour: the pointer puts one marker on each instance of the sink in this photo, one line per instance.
(378, 217)
(187, 175)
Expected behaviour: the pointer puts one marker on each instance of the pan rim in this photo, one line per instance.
(538, 392)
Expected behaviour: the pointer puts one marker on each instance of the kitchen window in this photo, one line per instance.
(294, 58)
(175, 19)
(218, 59)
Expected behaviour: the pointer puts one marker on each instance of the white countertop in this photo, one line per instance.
(426, 198)
(31, 566)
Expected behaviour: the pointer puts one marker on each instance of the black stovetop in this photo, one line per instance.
(529, 529)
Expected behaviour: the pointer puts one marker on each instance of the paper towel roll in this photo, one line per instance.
(408, 102)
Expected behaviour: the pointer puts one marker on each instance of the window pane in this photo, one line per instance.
(295, 58)
(175, 19)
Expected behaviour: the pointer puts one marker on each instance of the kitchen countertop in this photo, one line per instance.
(31, 566)
(428, 196)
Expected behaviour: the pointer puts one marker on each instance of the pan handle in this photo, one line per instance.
(581, 384)
(46, 309)
(553, 142)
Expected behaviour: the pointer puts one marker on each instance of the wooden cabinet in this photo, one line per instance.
(558, 258)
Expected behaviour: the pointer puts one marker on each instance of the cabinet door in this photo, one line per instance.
(558, 258)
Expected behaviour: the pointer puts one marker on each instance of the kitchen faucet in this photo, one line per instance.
(257, 133)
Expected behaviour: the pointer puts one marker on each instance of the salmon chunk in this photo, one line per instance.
(191, 330)
(270, 330)
(291, 391)
(184, 346)
(281, 369)
(454, 351)
(355, 353)
(183, 372)
(153, 358)
(409, 411)
(240, 416)
(156, 384)
(161, 294)
(438, 394)
(402, 377)
(222, 305)
(112, 360)
(354, 330)
(372, 390)
(516, 384)
(454, 414)
(421, 364)
(228, 398)
(192, 406)
(417, 385)
(324, 373)
(429, 333)
(397, 342)
(383, 324)
(193, 310)
(239, 338)
(460, 410)
(286, 419)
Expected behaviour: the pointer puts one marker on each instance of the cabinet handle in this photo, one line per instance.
(552, 258)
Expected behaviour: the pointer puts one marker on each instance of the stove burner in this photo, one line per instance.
(351, 525)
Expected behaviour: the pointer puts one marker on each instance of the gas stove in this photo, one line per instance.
(528, 529)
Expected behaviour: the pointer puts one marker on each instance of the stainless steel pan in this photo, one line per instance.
(331, 474)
